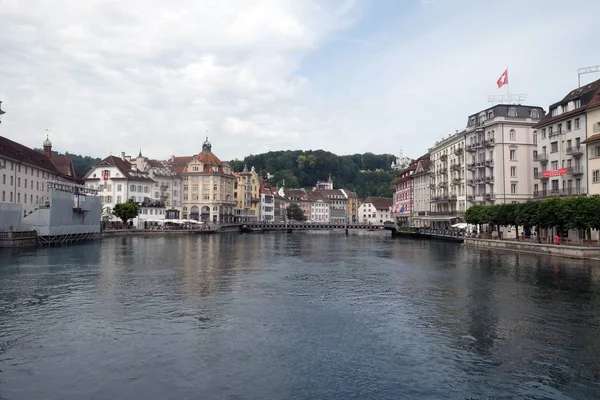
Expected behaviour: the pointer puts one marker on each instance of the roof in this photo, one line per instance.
(589, 96)
(155, 164)
(331, 192)
(17, 152)
(64, 165)
(123, 166)
(380, 203)
(207, 157)
(180, 163)
(424, 165)
(593, 138)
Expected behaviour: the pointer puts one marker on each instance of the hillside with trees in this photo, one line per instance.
(81, 163)
(302, 169)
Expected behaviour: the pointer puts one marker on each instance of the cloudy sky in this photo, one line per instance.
(341, 75)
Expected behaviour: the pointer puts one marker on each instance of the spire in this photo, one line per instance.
(47, 146)
(140, 154)
(206, 146)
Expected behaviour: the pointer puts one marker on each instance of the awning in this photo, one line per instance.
(461, 225)
(437, 218)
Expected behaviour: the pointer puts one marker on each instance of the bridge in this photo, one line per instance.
(306, 226)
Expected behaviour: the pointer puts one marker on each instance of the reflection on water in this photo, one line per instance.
(295, 316)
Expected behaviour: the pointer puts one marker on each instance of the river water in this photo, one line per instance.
(295, 316)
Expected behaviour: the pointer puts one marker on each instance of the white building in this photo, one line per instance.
(422, 194)
(500, 151)
(319, 211)
(167, 183)
(338, 205)
(447, 185)
(117, 181)
(375, 210)
(267, 203)
(561, 168)
(25, 173)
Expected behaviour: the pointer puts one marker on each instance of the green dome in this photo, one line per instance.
(47, 142)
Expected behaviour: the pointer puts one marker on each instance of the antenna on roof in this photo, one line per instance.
(586, 70)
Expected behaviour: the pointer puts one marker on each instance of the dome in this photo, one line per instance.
(206, 146)
(47, 142)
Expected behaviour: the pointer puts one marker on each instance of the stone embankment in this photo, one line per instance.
(570, 251)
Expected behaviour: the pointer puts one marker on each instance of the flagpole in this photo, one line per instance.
(507, 87)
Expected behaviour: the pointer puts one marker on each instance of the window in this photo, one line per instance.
(534, 137)
(543, 133)
(109, 199)
(146, 189)
(19, 181)
(576, 123)
(215, 187)
(37, 186)
(513, 188)
(597, 151)
(118, 199)
(513, 155)
(18, 196)
(565, 108)
(554, 165)
(513, 134)
(554, 111)
(3, 195)
(512, 112)
(578, 103)
(595, 178)
(513, 172)
(4, 179)
(132, 188)
(553, 147)
(119, 187)
(568, 126)
(534, 113)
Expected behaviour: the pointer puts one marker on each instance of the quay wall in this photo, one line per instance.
(144, 232)
(579, 252)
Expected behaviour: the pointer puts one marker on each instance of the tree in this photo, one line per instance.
(126, 211)
(295, 213)
(287, 176)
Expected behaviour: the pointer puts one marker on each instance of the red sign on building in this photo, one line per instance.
(106, 176)
(554, 172)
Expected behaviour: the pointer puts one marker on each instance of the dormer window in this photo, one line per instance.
(566, 108)
(554, 112)
(512, 112)
(534, 114)
(578, 103)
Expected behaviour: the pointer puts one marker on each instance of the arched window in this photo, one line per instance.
(513, 134)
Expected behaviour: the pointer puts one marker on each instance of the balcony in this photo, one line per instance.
(442, 171)
(453, 197)
(471, 182)
(489, 163)
(456, 167)
(470, 197)
(443, 157)
(443, 185)
(489, 143)
(456, 181)
(459, 151)
(578, 170)
(471, 166)
(540, 157)
(540, 194)
(489, 179)
(481, 164)
(472, 147)
(442, 213)
(488, 196)
(479, 180)
(539, 175)
(575, 151)
(432, 186)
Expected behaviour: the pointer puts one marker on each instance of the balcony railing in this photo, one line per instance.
(540, 157)
(489, 143)
(443, 157)
(432, 186)
(456, 181)
(539, 175)
(471, 182)
(488, 196)
(471, 197)
(489, 179)
(489, 163)
(481, 164)
(472, 147)
(442, 171)
(574, 150)
(458, 151)
(540, 194)
(456, 167)
(471, 166)
(578, 170)
(443, 184)
(442, 213)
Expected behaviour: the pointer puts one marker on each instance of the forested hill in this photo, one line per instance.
(302, 169)
(81, 163)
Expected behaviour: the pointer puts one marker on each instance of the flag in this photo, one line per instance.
(503, 80)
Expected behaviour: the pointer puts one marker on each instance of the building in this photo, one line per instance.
(500, 147)
(208, 186)
(281, 204)
(246, 194)
(328, 185)
(353, 204)
(403, 187)
(25, 174)
(338, 205)
(267, 203)
(561, 165)
(118, 181)
(593, 145)
(375, 210)
(62, 163)
(421, 193)
(448, 195)
(320, 207)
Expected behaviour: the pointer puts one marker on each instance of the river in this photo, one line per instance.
(295, 316)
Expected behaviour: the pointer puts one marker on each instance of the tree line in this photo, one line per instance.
(561, 213)
(82, 164)
(302, 169)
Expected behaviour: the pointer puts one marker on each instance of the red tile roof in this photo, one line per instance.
(593, 138)
(64, 165)
(380, 203)
(123, 166)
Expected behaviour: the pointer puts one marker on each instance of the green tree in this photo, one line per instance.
(126, 211)
(294, 213)
(287, 176)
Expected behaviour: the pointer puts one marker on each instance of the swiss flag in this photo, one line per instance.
(503, 80)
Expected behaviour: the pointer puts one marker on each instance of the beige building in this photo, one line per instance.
(208, 186)
(167, 183)
(500, 149)
(447, 180)
(593, 145)
(25, 173)
(561, 151)
(246, 193)
(422, 193)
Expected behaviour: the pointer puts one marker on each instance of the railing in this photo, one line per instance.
(456, 181)
(456, 167)
(449, 233)
(444, 157)
(488, 196)
(458, 151)
(471, 166)
(442, 213)
(575, 170)
(574, 150)
(442, 171)
(540, 194)
(489, 163)
(443, 184)
(471, 182)
(489, 143)
(18, 235)
(540, 157)
(539, 175)
(481, 164)
(489, 179)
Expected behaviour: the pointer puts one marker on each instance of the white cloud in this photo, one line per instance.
(275, 74)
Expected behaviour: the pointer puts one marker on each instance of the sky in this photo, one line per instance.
(348, 76)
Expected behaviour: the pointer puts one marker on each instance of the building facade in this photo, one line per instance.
(403, 195)
(246, 194)
(375, 210)
(353, 205)
(267, 203)
(421, 194)
(593, 145)
(448, 197)
(25, 174)
(500, 147)
(561, 152)
(208, 186)
(338, 203)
